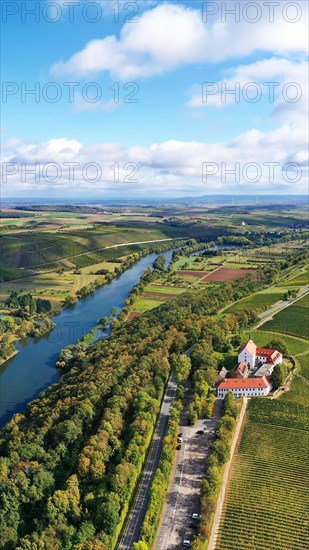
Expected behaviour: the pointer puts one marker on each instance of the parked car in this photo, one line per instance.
(200, 432)
(178, 447)
(186, 543)
(196, 516)
(179, 439)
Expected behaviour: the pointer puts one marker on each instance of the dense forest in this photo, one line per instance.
(69, 464)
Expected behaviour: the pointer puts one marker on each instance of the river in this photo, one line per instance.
(33, 369)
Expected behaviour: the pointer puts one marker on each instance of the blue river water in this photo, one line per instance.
(33, 369)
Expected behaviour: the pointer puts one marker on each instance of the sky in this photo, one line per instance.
(146, 98)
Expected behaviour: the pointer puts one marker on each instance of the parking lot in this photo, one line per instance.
(182, 499)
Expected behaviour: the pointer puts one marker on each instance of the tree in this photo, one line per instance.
(32, 307)
(229, 406)
(108, 514)
(279, 344)
(159, 263)
(181, 365)
(236, 341)
(221, 450)
(210, 376)
(192, 414)
(202, 355)
(70, 300)
(140, 546)
(279, 375)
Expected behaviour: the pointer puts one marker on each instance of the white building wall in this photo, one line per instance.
(247, 392)
(246, 357)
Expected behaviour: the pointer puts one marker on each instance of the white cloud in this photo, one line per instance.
(173, 35)
(169, 168)
(280, 82)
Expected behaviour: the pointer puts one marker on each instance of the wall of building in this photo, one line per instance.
(248, 392)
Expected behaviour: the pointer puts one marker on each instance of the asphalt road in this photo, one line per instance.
(282, 305)
(133, 526)
(183, 495)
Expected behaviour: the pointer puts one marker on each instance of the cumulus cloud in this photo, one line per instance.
(172, 35)
(257, 161)
(281, 82)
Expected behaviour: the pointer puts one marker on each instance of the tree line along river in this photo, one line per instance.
(33, 369)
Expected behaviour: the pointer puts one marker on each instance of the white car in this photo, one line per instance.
(196, 516)
(186, 543)
(179, 439)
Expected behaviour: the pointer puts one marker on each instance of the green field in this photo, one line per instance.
(164, 289)
(82, 247)
(304, 364)
(262, 337)
(299, 390)
(261, 300)
(267, 500)
(292, 320)
(142, 304)
(301, 279)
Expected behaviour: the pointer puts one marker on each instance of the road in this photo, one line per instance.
(266, 315)
(221, 497)
(183, 498)
(133, 526)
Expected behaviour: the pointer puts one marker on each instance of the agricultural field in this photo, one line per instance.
(270, 470)
(163, 290)
(270, 296)
(292, 320)
(261, 300)
(300, 280)
(143, 304)
(267, 500)
(227, 274)
(172, 283)
(62, 220)
(304, 365)
(27, 251)
(198, 271)
(55, 264)
(261, 337)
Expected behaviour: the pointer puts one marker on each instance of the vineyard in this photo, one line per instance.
(292, 320)
(260, 300)
(267, 500)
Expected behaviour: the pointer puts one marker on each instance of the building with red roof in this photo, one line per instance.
(245, 387)
(256, 357)
(242, 370)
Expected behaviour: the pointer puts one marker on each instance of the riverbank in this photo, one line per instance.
(34, 369)
(3, 361)
(72, 298)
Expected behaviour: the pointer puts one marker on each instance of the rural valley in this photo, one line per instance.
(154, 275)
(166, 301)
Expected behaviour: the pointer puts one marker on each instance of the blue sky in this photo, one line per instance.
(178, 143)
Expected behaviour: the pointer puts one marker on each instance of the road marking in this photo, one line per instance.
(148, 471)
